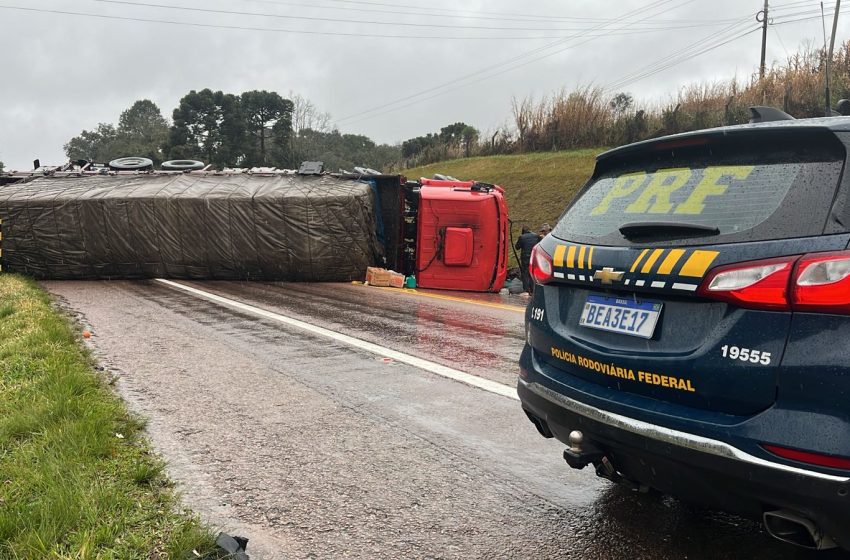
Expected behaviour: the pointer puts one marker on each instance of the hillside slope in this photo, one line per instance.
(537, 186)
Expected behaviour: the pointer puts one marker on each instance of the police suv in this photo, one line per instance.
(690, 330)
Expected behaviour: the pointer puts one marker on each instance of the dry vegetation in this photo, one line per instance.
(590, 117)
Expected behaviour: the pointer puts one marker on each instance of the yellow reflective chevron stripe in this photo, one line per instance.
(650, 262)
(582, 250)
(571, 256)
(590, 259)
(698, 263)
(637, 260)
(670, 261)
(558, 258)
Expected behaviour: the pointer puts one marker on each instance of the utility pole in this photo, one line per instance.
(828, 103)
(763, 21)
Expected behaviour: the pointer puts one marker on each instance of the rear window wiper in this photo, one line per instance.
(647, 229)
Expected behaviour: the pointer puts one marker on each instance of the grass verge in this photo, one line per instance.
(78, 479)
(538, 186)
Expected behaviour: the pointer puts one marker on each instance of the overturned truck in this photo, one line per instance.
(242, 225)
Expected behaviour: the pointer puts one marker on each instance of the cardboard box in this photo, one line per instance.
(370, 271)
(396, 280)
(380, 277)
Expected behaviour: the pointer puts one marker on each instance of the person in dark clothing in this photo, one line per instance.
(524, 245)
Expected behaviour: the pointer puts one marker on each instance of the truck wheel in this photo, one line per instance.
(182, 165)
(131, 163)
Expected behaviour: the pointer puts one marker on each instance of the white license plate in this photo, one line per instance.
(620, 315)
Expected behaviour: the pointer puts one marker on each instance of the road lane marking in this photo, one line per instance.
(429, 366)
(453, 298)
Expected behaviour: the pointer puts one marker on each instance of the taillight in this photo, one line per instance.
(822, 283)
(817, 282)
(540, 266)
(757, 284)
(819, 459)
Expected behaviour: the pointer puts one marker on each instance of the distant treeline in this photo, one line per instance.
(254, 129)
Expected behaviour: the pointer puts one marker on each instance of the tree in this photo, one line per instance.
(2, 167)
(451, 134)
(453, 141)
(345, 151)
(621, 103)
(306, 119)
(469, 136)
(94, 145)
(268, 116)
(141, 132)
(208, 126)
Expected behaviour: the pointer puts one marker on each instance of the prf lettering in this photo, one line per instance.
(649, 193)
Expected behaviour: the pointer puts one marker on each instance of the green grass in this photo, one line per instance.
(537, 186)
(78, 479)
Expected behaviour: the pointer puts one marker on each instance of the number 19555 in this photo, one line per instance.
(745, 355)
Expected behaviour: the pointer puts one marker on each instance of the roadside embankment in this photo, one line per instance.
(77, 476)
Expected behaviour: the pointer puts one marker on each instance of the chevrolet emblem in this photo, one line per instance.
(608, 275)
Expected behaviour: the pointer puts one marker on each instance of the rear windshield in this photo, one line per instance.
(766, 194)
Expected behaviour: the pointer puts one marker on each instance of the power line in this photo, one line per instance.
(680, 57)
(269, 29)
(817, 17)
(436, 12)
(660, 63)
(484, 70)
(447, 11)
(355, 21)
(674, 60)
(453, 85)
(622, 31)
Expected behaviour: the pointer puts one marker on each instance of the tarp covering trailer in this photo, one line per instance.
(198, 225)
(90, 222)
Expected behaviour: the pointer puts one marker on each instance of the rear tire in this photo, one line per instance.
(131, 163)
(182, 165)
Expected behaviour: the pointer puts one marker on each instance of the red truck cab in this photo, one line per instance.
(462, 236)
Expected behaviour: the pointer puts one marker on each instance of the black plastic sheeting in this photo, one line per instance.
(284, 227)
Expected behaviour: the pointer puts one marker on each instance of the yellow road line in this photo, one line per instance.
(453, 298)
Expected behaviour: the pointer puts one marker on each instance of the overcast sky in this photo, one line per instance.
(440, 61)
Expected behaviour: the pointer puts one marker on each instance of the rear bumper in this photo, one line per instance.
(696, 468)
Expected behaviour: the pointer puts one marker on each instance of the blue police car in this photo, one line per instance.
(690, 327)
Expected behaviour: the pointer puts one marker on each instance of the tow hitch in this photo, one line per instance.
(581, 453)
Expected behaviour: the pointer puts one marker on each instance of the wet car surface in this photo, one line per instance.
(313, 449)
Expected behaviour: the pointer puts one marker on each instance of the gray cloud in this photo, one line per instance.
(63, 73)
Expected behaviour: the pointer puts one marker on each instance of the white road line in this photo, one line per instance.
(431, 367)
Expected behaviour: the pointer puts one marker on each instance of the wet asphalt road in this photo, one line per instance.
(313, 449)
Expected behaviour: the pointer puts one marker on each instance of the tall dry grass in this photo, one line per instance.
(590, 116)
